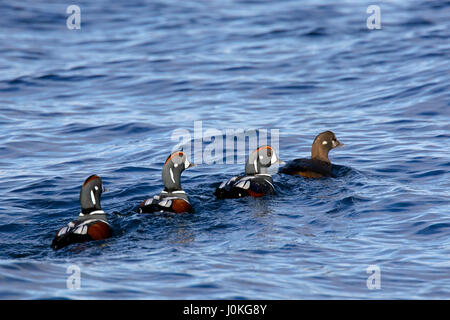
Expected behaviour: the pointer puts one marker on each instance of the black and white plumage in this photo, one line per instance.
(91, 224)
(172, 198)
(256, 182)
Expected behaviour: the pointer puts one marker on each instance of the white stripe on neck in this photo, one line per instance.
(92, 213)
(93, 197)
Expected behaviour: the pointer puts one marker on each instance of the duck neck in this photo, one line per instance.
(171, 178)
(88, 211)
(253, 166)
(319, 154)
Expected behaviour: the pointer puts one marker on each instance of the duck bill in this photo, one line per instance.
(275, 160)
(338, 144)
(188, 164)
(191, 165)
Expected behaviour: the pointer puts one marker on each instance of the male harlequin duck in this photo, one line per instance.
(91, 224)
(257, 182)
(319, 165)
(172, 198)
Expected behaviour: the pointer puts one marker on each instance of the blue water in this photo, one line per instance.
(106, 99)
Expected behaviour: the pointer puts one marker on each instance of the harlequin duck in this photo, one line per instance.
(257, 182)
(319, 165)
(172, 198)
(91, 224)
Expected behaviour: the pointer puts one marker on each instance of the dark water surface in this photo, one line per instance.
(106, 99)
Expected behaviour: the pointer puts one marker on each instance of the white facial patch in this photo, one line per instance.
(186, 163)
(175, 165)
(334, 143)
(96, 188)
(325, 142)
(273, 159)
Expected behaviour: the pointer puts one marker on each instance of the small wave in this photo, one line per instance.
(435, 228)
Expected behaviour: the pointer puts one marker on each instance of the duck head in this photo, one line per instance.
(260, 160)
(175, 164)
(323, 143)
(90, 194)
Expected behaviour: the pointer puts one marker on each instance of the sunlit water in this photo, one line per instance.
(106, 99)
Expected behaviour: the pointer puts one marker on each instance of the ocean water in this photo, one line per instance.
(107, 98)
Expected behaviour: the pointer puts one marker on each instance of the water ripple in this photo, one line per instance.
(106, 99)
